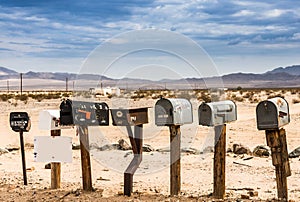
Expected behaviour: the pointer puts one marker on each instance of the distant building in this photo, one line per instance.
(108, 91)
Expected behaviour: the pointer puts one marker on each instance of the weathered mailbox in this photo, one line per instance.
(173, 111)
(66, 115)
(135, 117)
(19, 121)
(272, 114)
(217, 113)
(49, 120)
(84, 113)
(129, 117)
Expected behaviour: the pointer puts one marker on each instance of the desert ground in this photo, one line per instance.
(151, 181)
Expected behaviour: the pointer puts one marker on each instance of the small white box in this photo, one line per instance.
(49, 120)
(53, 149)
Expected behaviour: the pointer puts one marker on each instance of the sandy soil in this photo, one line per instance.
(151, 181)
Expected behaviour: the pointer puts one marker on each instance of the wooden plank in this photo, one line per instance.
(137, 147)
(219, 162)
(85, 158)
(55, 167)
(175, 176)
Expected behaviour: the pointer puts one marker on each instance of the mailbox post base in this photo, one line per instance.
(23, 158)
(276, 140)
(136, 141)
(219, 162)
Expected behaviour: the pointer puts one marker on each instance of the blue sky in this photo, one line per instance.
(240, 36)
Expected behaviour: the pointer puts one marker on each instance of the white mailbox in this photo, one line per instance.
(49, 120)
(173, 111)
(272, 114)
(217, 113)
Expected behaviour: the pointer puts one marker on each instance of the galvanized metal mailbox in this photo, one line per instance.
(49, 120)
(272, 114)
(84, 113)
(173, 111)
(66, 113)
(129, 117)
(19, 121)
(217, 113)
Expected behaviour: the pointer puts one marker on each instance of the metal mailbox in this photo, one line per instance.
(49, 120)
(66, 114)
(84, 113)
(173, 111)
(217, 113)
(272, 114)
(19, 121)
(127, 117)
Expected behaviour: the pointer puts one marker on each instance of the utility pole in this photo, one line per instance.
(7, 86)
(67, 84)
(21, 83)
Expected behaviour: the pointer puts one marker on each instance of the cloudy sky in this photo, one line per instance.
(239, 36)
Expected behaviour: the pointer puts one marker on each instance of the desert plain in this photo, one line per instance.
(245, 173)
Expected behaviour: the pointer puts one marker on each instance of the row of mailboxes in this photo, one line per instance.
(271, 114)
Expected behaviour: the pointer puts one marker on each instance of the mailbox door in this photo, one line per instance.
(164, 113)
(102, 113)
(266, 115)
(66, 115)
(19, 121)
(205, 115)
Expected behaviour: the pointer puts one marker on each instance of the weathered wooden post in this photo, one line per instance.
(132, 117)
(84, 114)
(174, 112)
(271, 115)
(216, 114)
(20, 122)
(55, 167)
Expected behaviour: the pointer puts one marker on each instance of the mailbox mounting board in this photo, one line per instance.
(127, 117)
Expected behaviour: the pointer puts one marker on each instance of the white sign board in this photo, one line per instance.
(53, 149)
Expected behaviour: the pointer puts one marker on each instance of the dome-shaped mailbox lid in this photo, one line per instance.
(272, 114)
(173, 111)
(217, 113)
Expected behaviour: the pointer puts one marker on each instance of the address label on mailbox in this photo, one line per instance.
(53, 149)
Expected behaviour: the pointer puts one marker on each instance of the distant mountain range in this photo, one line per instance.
(277, 78)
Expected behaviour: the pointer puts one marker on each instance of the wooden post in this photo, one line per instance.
(55, 167)
(136, 141)
(85, 158)
(175, 178)
(276, 140)
(219, 161)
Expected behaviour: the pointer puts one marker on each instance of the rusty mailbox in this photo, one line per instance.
(217, 113)
(19, 121)
(272, 114)
(173, 111)
(128, 117)
(84, 113)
